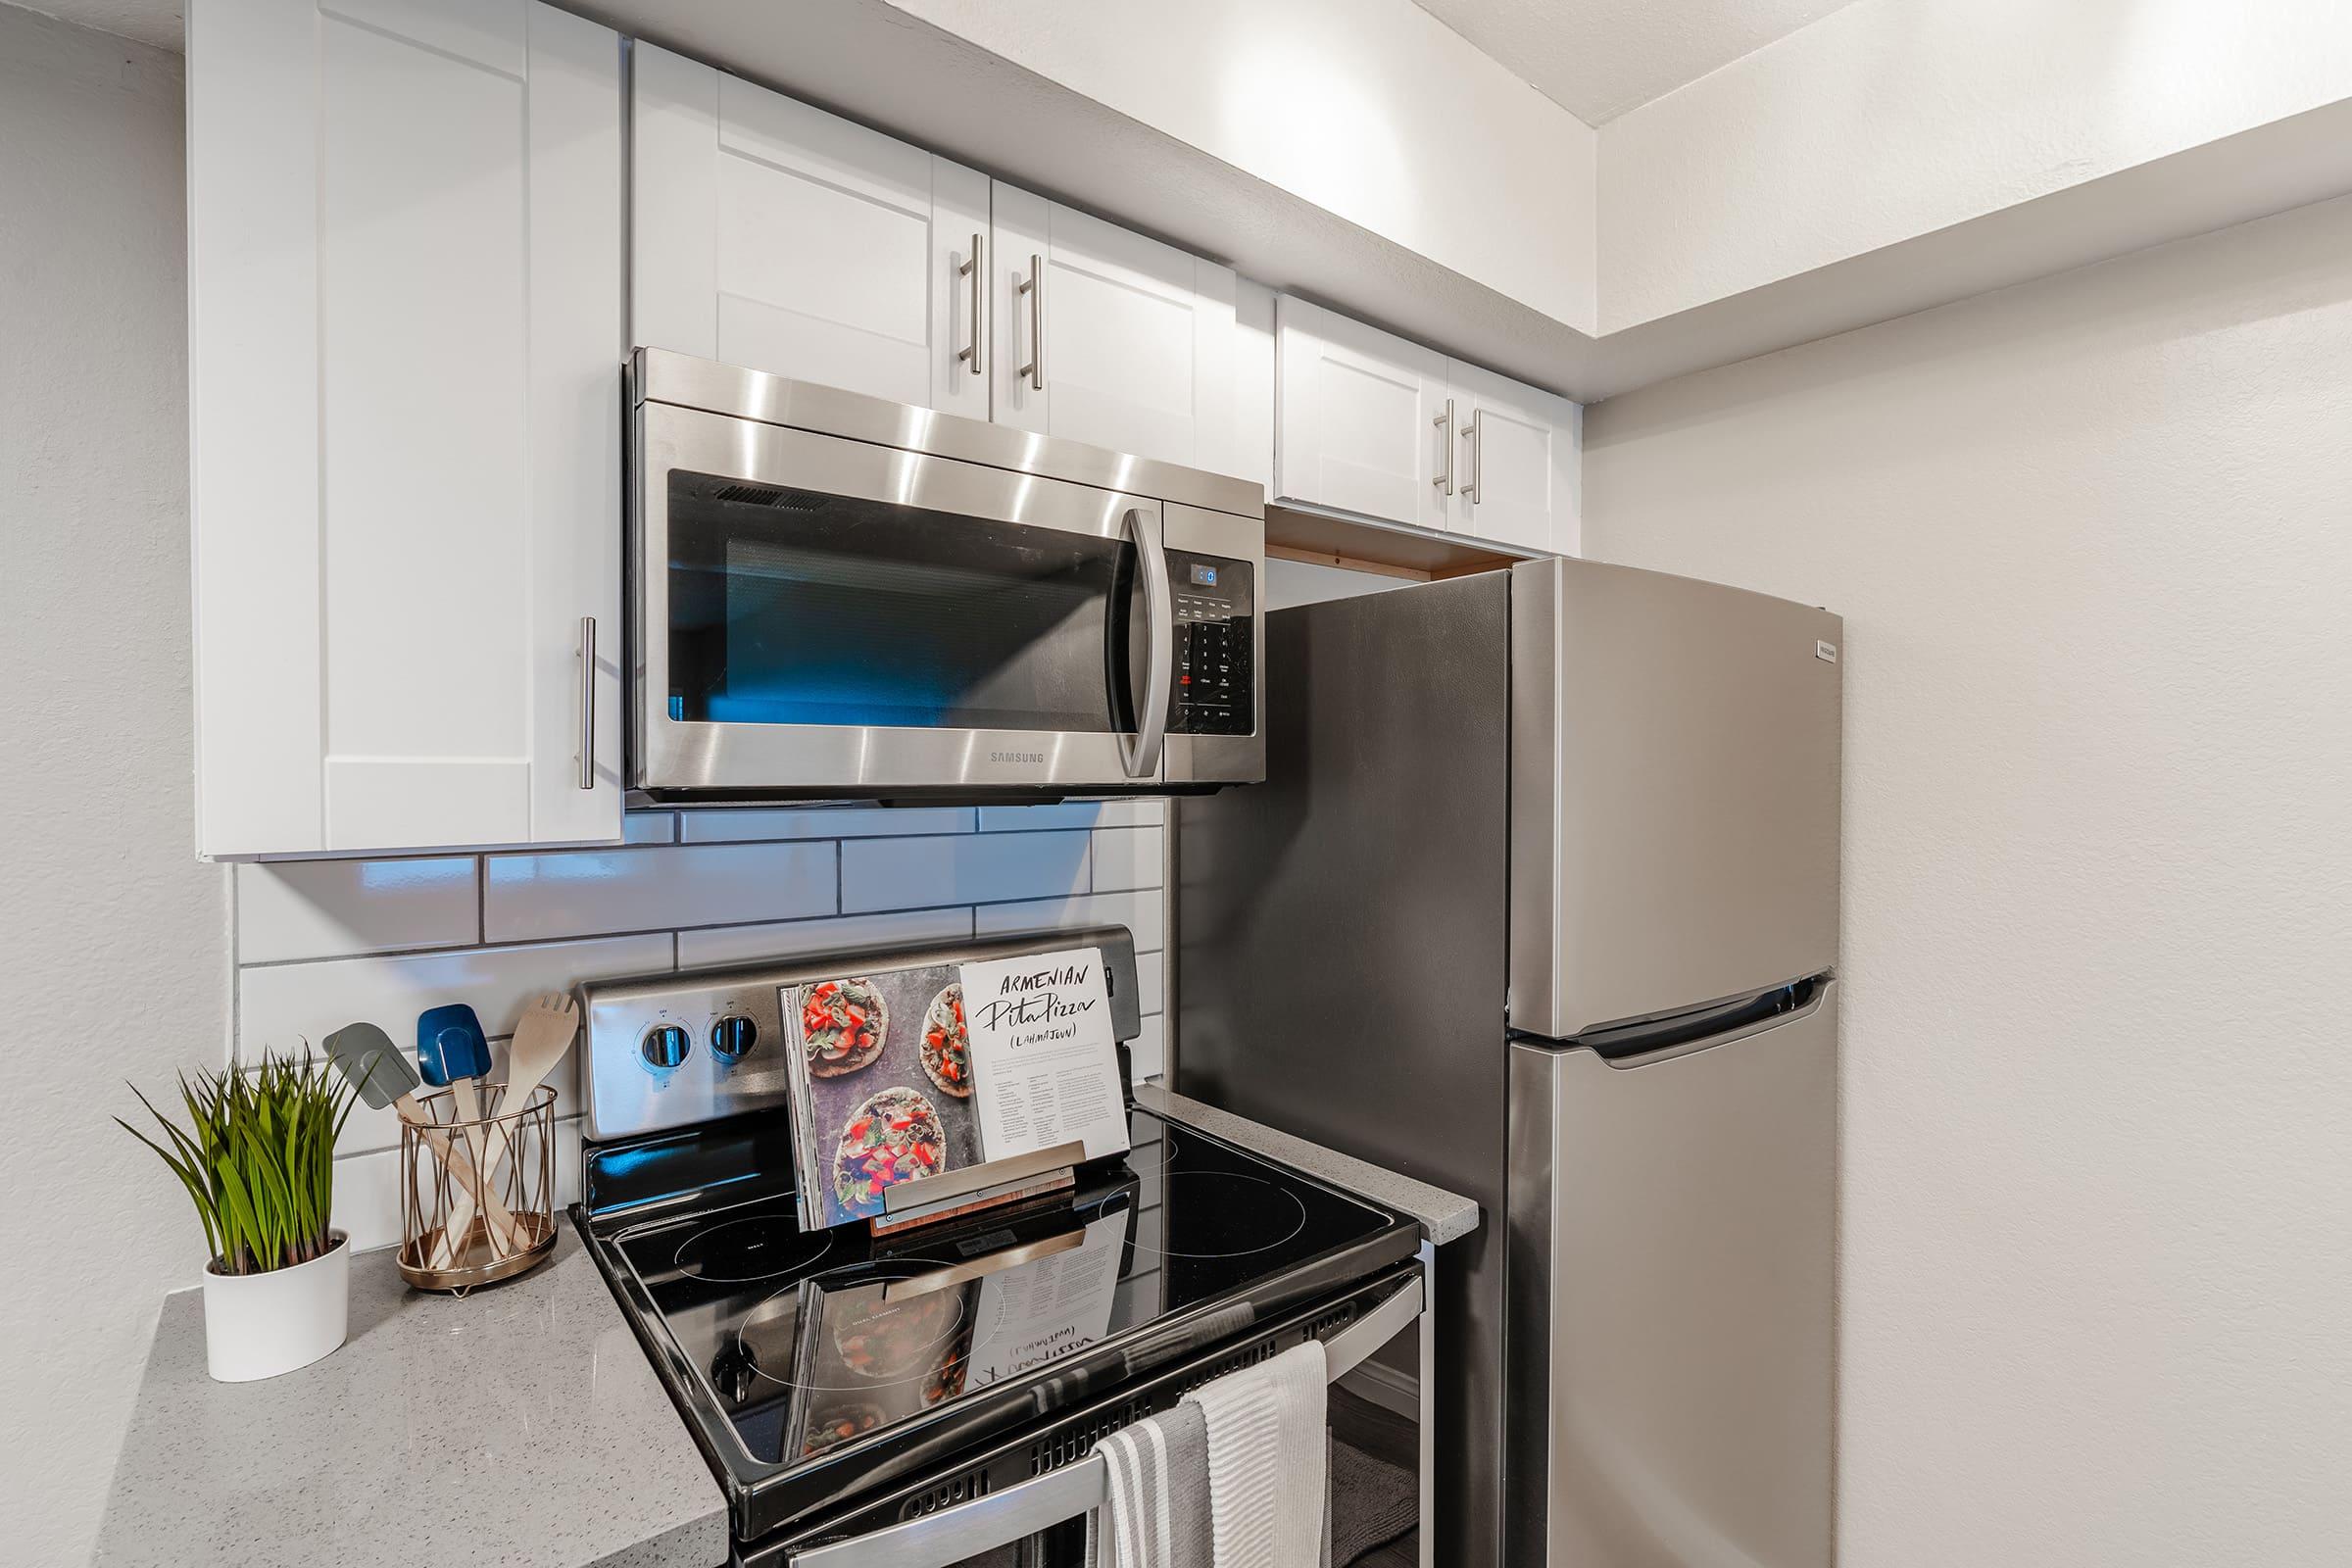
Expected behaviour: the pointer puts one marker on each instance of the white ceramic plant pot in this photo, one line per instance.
(259, 1325)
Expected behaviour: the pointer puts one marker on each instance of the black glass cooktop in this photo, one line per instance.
(815, 1362)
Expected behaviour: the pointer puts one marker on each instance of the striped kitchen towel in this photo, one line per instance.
(1267, 1461)
(1158, 1512)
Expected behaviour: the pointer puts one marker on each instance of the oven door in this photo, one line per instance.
(816, 616)
(1029, 1504)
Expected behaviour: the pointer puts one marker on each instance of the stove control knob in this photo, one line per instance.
(732, 1037)
(664, 1046)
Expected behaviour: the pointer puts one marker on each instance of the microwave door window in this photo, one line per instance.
(791, 607)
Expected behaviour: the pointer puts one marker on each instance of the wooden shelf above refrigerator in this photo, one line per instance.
(1322, 540)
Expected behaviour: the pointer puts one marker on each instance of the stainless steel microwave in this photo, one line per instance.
(834, 597)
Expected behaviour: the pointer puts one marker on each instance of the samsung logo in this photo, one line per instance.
(1017, 757)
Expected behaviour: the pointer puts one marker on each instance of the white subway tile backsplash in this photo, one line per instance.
(281, 1005)
(326, 943)
(367, 1198)
(1140, 912)
(967, 869)
(746, 944)
(1128, 858)
(1073, 815)
(325, 908)
(1148, 1050)
(648, 827)
(825, 822)
(1151, 976)
(569, 893)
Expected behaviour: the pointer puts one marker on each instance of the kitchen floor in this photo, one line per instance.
(1384, 1435)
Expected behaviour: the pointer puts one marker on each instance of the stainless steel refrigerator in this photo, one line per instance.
(1538, 901)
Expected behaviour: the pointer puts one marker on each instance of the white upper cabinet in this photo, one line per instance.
(1108, 337)
(1514, 461)
(1368, 423)
(1252, 407)
(775, 236)
(406, 338)
(1360, 419)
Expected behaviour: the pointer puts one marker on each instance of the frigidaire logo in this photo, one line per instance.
(1017, 757)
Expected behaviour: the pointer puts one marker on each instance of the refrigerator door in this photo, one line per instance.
(1672, 1226)
(1674, 793)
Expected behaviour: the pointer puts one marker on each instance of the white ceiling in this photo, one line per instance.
(1596, 59)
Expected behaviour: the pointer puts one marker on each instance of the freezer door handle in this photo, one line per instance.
(1664, 1039)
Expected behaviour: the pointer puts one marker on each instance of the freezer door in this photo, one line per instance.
(1674, 793)
(1672, 1225)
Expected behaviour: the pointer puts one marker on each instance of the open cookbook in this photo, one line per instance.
(899, 1075)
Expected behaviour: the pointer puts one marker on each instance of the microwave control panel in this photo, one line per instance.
(1217, 633)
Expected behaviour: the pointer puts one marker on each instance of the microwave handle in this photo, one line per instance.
(964, 1530)
(1141, 759)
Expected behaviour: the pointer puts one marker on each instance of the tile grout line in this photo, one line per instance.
(443, 948)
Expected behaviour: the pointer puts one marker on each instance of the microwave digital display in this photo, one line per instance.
(1217, 633)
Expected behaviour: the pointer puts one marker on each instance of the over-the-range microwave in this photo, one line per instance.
(835, 597)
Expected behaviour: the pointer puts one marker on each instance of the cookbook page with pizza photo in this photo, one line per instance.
(1037, 1038)
(880, 1092)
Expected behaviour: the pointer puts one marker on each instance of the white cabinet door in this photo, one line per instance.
(1251, 455)
(1515, 462)
(773, 236)
(1360, 419)
(406, 337)
(1137, 337)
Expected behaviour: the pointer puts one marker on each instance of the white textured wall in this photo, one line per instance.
(2093, 538)
(114, 940)
(1891, 119)
(1371, 109)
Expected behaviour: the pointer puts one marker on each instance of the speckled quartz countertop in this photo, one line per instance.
(1443, 1216)
(522, 1427)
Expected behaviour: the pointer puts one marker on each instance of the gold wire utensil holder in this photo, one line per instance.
(478, 1194)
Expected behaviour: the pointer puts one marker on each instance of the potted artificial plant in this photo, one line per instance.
(257, 1159)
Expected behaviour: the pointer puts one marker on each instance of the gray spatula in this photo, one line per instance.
(374, 1066)
(384, 1076)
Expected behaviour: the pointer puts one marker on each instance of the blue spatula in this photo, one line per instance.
(451, 1052)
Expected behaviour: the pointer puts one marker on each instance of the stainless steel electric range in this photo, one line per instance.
(933, 1398)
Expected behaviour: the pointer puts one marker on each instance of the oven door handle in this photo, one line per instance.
(1139, 756)
(946, 1538)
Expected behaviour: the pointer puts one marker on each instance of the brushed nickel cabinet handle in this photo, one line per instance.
(1445, 422)
(587, 702)
(1474, 491)
(971, 267)
(1035, 288)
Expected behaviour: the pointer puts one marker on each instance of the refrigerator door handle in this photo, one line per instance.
(1685, 1034)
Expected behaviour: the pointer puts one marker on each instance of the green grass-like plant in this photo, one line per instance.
(258, 1159)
